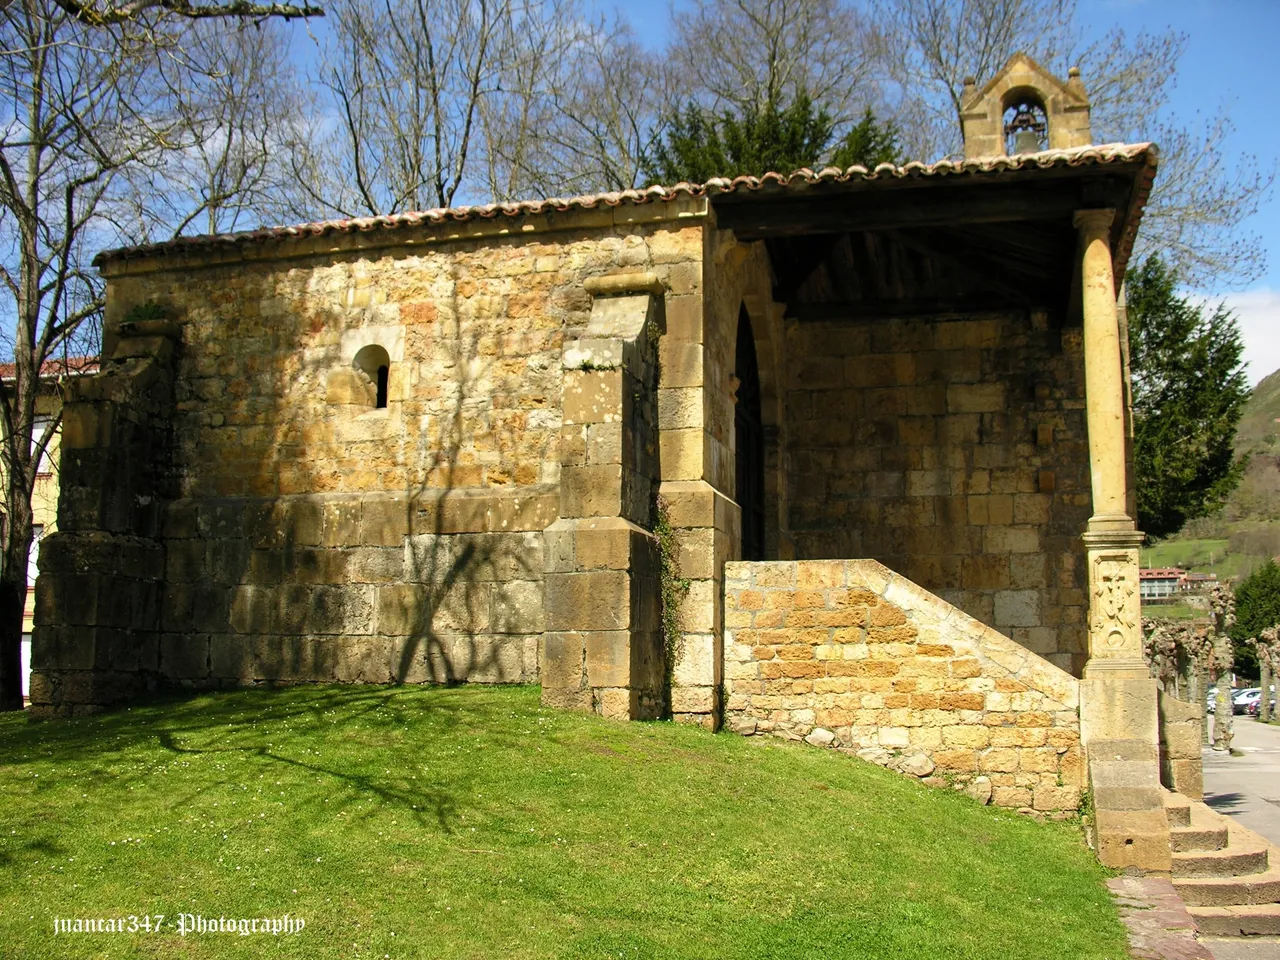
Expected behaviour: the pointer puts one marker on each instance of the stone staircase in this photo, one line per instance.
(1228, 876)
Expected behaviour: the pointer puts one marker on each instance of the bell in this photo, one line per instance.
(1026, 141)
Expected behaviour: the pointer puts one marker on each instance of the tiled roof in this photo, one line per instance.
(885, 172)
(56, 367)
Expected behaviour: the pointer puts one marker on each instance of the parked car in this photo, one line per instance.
(1211, 699)
(1254, 702)
(1255, 707)
(1242, 698)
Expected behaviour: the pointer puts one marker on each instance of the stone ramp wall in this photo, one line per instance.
(848, 654)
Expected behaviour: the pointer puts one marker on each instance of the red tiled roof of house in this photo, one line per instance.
(56, 367)
(1114, 153)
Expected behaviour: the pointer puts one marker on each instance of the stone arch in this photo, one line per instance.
(1023, 111)
(749, 442)
(766, 326)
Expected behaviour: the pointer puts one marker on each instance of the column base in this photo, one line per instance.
(1115, 613)
(1117, 525)
(1119, 727)
(1117, 668)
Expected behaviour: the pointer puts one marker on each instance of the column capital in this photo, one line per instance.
(1094, 222)
(1114, 539)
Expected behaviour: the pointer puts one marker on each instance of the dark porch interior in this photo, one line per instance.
(930, 408)
(929, 245)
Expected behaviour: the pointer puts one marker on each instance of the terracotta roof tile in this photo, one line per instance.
(56, 367)
(981, 166)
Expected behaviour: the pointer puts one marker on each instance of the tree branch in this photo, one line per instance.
(95, 15)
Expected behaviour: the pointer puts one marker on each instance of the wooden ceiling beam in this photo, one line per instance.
(756, 217)
(989, 271)
(804, 263)
(911, 307)
(1038, 245)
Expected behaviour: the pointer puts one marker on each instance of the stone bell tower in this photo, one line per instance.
(1024, 109)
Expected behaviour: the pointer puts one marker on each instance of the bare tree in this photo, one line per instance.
(584, 114)
(134, 11)
(742, 54)
(538, 44)
(437, 102)
(1199, 204)
(87, 112)
(1222, 604)
(239, 106)
(929, 47)
(407, 79)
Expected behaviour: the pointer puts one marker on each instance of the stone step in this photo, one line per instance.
(1207, 830)
(1177, 808)
(1251, 920)
(1244, 854)
(1259, 888)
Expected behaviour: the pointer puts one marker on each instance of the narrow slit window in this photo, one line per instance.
(375, 366)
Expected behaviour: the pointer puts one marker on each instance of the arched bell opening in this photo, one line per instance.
(1026, 122)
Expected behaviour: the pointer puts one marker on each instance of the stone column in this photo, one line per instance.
(1115, 633)
(1118, 707)
(603, 649)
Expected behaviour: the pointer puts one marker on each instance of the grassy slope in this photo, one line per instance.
(1201, 556)
(473, 823)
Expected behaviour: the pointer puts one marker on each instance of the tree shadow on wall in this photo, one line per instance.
(471, 604)
(314, 535)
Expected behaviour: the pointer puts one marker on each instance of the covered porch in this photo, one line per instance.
(924, 368)
(943, 388)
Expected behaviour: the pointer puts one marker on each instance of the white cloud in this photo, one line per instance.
(1258, 311)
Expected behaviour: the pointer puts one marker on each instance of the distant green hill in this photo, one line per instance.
(1260, 424)
(1247, 530)
(1257, 499)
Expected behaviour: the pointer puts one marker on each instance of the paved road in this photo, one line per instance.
(1247, 788)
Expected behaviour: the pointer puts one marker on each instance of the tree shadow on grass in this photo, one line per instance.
(123, 746)
(20, 851)
(429, 800)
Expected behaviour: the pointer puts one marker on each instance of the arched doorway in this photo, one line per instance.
(748, 426)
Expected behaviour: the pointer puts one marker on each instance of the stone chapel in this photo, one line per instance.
(838, 455)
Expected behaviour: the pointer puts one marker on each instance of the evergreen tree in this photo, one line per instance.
(869, 144)
(1257, 608)
(699, 146)
(1189, 391)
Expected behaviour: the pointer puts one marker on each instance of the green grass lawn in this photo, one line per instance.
(471, 822)
(1174, 611)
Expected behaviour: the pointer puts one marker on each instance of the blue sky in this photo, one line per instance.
(1229, 63)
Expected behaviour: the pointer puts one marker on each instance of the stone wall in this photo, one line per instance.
(603, 650)
(953, 451)
(851, 655)
(97, 618)
(696, 415)
(353, 588)
(1181, 734)
(302, 531)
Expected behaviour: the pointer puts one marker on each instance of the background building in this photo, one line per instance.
(44, 499)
